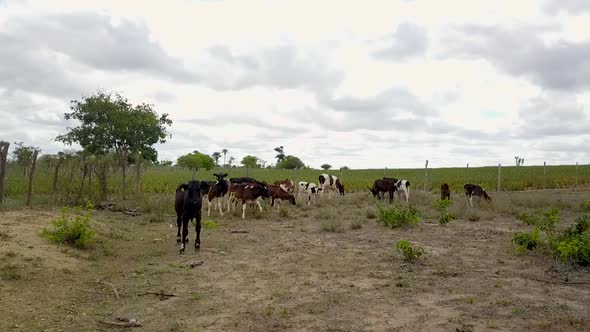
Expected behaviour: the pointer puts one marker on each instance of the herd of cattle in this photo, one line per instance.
(189, 196)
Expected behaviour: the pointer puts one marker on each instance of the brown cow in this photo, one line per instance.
(247, 193)
(286, 184)
(475, 190)
(383, 186)
(217, 192)
(278, 193)
(445, 192)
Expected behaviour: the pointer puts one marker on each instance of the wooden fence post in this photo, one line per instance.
(3, 156)
(499, 176)
(425, 174)
(465, 174)
(544, 174)
(31, 175)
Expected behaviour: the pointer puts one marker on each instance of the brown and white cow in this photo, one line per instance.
(277, 193)
(247, 193)
(475, 190)
(286, 184)
(330, 183)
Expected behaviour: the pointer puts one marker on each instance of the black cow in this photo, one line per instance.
(475, 190)
(188, 205)
(218, 191)
(384, 186)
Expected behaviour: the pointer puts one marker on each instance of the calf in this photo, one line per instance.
(217, 192)
(475, 190)
(278, 193)
(247, 193)
(330, 182)
(383, 186)
(445, 192)
(309, 189)
(188, 204)
(401, 186)
(245, 179)
(286, 184)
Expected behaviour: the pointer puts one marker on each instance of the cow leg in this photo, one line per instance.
(244, 210)
(185, 220)
(470, 200)
(407, 194)
(208, 207)
(390, 197)
(220, 204)
(198, 230)
(259, 206)
(309, 200)
(272, 201)
(278, 207)
(179, 224)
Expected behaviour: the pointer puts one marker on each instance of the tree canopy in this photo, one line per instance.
(280, 153)
(109, 122)
(291, 162)
(195, 161)
(326, 166)
(250, 161)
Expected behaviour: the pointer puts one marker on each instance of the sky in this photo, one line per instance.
(363, 84)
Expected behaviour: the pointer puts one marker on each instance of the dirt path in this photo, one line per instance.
(291, 274)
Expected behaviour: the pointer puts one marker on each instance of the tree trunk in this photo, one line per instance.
(3, 156)
(56, 175)
(84, 174)
(31, 174)
(102, 175)
(138, 174)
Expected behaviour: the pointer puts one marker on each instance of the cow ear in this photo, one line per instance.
(183, 186)
(224, 175)
(204, 185)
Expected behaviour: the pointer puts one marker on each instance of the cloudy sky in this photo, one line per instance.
(367, 84)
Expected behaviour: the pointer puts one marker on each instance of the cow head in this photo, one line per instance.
(193, 189)
(321, 179)
(340, 187)
(220, 177)
(374, 192)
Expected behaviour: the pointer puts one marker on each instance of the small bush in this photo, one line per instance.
(398, 216)
(527, 218)
(75, 232)
(525, 241)
(355, 225)
(573, 245)
(409, 252)
(283, 212)
(209, 224)
(371, 213)
(442, 204)
(332, 226)
(549, 219)
(585, 206)
(473, 216)
(445, 218)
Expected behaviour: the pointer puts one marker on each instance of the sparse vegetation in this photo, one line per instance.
(445, 218)
(283, 212)
(74, 231)
(473, 216)
(356, 225)
(332, 226)
(398, 216)
(573, 245)
(442, 204)
(585, 206)
(409, 251)
(526, 241)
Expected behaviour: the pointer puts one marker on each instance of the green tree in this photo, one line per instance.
(23, 155)
(231, 161)
(326, 166)
(195, 161)
(344, 168)
(108, 122)
(280, 154)
(250, 161)
(291, 162)
(216, 156)
(224, 151)
(166, 163)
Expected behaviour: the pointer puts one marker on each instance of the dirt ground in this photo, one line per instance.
(306, 269)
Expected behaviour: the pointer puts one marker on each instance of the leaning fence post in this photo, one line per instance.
(576, 175)
(544, 175)
(499, 176)
(31, 174)
(3, 156)
(425, 174)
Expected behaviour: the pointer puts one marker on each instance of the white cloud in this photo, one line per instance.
(347, 83)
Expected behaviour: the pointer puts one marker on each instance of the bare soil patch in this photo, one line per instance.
(330, 267)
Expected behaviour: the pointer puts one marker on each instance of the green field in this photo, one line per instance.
(161, 179)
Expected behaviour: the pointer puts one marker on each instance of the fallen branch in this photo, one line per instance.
(113, 287)
(195, 264)
(70, 310)
(156, 293)
(122, 322)
(238, 231)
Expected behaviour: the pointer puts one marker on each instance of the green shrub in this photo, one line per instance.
(442, 204)
(573, 245)
(528, 219)
(585, 206)
(283, 212)
(445, 218)
(398, 216)
(332, 226)
(525, 241)
(409, 252)
(72, 231)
